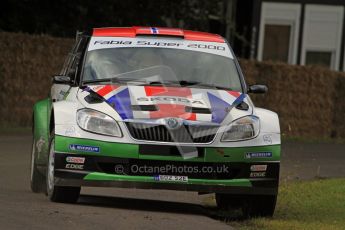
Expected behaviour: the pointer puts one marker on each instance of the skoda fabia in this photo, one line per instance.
(156, 108)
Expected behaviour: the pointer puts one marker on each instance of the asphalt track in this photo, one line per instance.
(111, 208)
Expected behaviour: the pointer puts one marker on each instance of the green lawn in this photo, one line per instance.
(305, 205)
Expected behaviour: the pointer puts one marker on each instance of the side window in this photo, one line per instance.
(68, 59)
(73, 66)
(65, 65)
(73, 60)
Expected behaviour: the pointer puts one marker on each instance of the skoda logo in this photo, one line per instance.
(173, 123)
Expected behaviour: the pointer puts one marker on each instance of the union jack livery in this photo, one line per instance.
(156, 108)
(169, 102)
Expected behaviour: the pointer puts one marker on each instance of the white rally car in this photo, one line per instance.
(156, 108)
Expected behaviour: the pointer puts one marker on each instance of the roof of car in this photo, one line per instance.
(156, 31)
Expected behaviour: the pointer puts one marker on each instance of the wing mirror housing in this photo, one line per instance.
(259, 89)
(60, 79)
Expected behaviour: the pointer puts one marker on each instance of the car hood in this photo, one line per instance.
(155, 102)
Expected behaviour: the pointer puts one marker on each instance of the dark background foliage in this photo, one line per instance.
(63, 17)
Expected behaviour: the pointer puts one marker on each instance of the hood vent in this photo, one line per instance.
(242, 106)
(190, 109)
(144, 108)
(93, 98)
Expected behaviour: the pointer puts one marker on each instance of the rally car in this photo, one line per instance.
(156, 108)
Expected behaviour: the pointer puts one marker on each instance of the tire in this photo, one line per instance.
(59, 194)
(251, 205)
(260, 206)
(37, 180)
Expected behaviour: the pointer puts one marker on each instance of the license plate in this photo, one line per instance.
(171, 178)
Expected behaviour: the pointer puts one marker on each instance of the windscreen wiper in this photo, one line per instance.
(113, 80)
(196, 83)
(97, 81)
(213, 86)
(163, 83)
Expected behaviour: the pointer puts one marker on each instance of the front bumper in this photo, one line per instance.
(113, 166)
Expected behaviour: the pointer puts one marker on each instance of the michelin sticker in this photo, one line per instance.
(258, 155)
(84, 148)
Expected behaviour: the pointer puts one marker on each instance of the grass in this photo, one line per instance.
(308, 205)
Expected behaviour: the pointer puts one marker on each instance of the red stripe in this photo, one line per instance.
(234, 93)
(202, 36)
(161, 31)
(114, 32)
(151, 90)
(135, 30)
(172, 110)
(167, 91)
(107, 89)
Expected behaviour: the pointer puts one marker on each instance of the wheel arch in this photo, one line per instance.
(40, 129)
(269, 120)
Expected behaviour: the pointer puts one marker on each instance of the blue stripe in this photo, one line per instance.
(121, 102)
(154, 30)
(218, 108)
(239, 100)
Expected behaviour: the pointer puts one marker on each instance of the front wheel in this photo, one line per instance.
(55, 193)
(251, 205)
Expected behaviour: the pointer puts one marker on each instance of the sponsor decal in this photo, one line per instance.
(137, 43)
(258, 155)
(171, 99)
(258, 168)
(267, 139)
(200, 46)
(77, 160)
(39, 144)
(84, 148)
(74, 166)
(258, 174)
(70, 131)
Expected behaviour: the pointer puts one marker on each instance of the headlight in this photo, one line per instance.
(242, 129)
(97, 122)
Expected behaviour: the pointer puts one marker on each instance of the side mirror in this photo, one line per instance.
(59, 79)
(257, 89)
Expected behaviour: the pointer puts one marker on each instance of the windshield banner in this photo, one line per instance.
(216, 48)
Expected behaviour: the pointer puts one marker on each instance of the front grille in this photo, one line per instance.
(169, 150)
(184, 134)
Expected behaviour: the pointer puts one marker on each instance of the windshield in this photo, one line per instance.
(161, 65)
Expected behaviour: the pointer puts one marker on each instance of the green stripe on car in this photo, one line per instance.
(125, 150)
